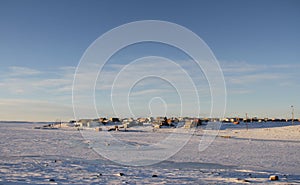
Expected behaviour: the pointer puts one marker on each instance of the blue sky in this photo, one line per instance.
(257, 44)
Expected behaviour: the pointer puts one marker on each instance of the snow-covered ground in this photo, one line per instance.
(237, 155)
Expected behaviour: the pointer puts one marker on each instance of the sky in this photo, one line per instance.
(256, 44)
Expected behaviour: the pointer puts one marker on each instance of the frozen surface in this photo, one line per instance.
(237, 156)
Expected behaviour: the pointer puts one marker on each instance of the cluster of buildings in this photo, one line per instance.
(160, 122)
(255, 119)
(157, 122)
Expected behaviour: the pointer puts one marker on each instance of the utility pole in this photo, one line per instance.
(247, 121)
(292, 114)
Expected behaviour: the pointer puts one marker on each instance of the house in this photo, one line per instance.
(83, 122)
(93, 124)
(114, 119)
(190, 124)
(132, 124)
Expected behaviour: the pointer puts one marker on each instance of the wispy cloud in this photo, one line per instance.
(236, 91)
(120, 75)
(146, 79)
(20, 80)
(22, 71)
(21, 86)
(237, 67)
(245, 73)
(30, 94)
(149, 91)
(253, 78)
(240, 67)
(286, 66)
